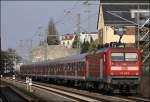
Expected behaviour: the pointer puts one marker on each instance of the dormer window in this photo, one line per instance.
(143, 12)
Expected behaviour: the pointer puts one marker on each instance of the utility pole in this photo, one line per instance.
(78, 30)
(31, 50)
(138, 29)
(88, 14)
(20, 48)
(43, 34)
(77, 27)
(45, 45)
(89, 17)
(0, 56)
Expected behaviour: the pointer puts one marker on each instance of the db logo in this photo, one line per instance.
(124, 68)
(124, 64)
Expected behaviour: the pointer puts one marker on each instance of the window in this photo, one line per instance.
(118, 30)
(124, 56)
(117, 57)
(130, 56)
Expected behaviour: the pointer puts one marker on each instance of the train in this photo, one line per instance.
(116, 70)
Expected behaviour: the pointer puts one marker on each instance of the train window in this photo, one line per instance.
(53, 66)
(131, 57)
(117, 56)
(66, 66)
(69, 67)
(62, 66)
(82, 63)
(59, 66)
(124, 57)
(72, 67)
(76, 66)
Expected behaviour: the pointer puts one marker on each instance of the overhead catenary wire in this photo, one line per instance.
(114, 14)
(61, 19)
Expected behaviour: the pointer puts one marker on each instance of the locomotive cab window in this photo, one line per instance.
(124, 56)
(117, 56)
(131, 57)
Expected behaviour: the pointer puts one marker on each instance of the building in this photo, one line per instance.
(68, 39)
(87, 36)
(134, 16)
(122, 13)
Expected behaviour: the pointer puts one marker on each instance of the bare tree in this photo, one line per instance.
(52, 36)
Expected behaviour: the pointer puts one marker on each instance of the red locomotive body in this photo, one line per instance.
(115, 69)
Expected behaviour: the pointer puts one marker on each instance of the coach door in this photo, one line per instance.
(101, 68)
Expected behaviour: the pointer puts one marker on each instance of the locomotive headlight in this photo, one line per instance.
(136, 73)
(115, 68)
(133, 68)
(111, 73)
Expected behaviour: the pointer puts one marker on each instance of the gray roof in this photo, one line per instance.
(119, 13)
(124, 1)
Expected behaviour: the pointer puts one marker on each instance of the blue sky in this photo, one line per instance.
(20, 20)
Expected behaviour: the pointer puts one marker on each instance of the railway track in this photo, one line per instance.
(98, 96)
(84, 96)
(7, 94)
(138, 99)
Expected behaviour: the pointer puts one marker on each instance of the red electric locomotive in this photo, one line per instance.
(113, 69)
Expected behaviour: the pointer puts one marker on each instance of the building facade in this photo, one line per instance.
(87, 36)
(123, 13)
(68, 39)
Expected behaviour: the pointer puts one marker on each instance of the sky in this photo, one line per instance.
(22, 21)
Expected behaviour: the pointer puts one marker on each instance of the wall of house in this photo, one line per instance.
(87, 37)
(53, 52)
(109, 36)
(67, 43)
(67, 40)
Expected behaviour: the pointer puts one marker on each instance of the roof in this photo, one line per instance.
(119, 11)
(89, 33)
(68, 37)
(124, 1)
(80, 57)
(119, 14)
